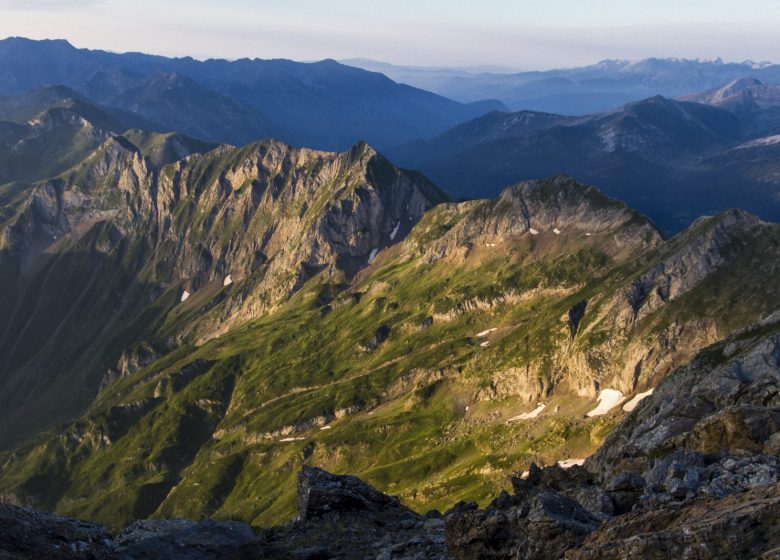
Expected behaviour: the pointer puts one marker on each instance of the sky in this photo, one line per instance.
(519, 34)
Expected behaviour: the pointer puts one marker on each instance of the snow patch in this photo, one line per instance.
(631, 405)
(326, 428)
(528, 415)
(765, 141)
(490, 244)
(608, 399)
(292, 439)
(483, 334)
(184, 296)
(588, 234)
(372, 256)
(532, 231)
(395, 230)
(227, 281)
(569, 463)
(485, 344)
(556, 231)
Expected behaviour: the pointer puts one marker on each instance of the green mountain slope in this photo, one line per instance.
(409, 366)
(100, 257)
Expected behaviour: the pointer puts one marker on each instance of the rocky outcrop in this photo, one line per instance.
(693, 467)
(559, 205)
(341, 517)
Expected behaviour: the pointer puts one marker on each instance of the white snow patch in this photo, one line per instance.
(185, 295)
(765, 141)
(568, 463)
(483, 334)
(227, 281)
(556, 231)
(528, 415)
(490, 244)
(608, 399)
(524, 475)
(532, 231)
(631, 405)
(372, 256)
(395, 230)
(326, 428)
(588, 234)
(292, 439)
(485, 344)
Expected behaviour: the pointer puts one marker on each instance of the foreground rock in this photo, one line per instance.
(343, 517)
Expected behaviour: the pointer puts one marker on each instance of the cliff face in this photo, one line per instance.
(95, 259)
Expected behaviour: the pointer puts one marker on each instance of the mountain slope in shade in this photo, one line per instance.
(324, 104)
(96, 257)
(49, 130)
(673, 160)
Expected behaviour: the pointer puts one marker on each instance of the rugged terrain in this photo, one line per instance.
(693, 472)
(673, 160)
(189, 323)
(101, 254)
(212, 322)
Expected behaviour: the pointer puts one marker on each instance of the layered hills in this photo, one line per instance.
(184, 333)
(579, 91)
(672, 159)
(323, 105)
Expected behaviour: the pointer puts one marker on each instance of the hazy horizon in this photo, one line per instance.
(528, 35)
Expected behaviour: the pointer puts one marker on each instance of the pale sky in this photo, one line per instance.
(523, 34)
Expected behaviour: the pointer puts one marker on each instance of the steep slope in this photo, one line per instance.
(423, 372)
(671, 159)
(107, 253)
(692, 473)
(323, 104)
(178, 103)
(47, 131)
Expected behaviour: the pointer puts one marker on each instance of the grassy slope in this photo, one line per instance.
(403, 416)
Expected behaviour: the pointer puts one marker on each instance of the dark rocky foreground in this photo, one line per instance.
(692, 473)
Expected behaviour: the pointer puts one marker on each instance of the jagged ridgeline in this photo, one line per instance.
(189, 330)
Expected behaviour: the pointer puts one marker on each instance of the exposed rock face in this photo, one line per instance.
(340, 517)
(116, 236)
(692, 473)
(556, 204)
(343, 517)
(726, 399)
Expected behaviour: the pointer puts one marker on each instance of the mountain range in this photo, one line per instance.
(254, 307)
(202, 324)
(321, 105)
(578, 91)
(672, 159)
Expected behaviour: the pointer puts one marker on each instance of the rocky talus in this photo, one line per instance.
(693, 473)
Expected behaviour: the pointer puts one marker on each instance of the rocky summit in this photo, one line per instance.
(691, 473)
